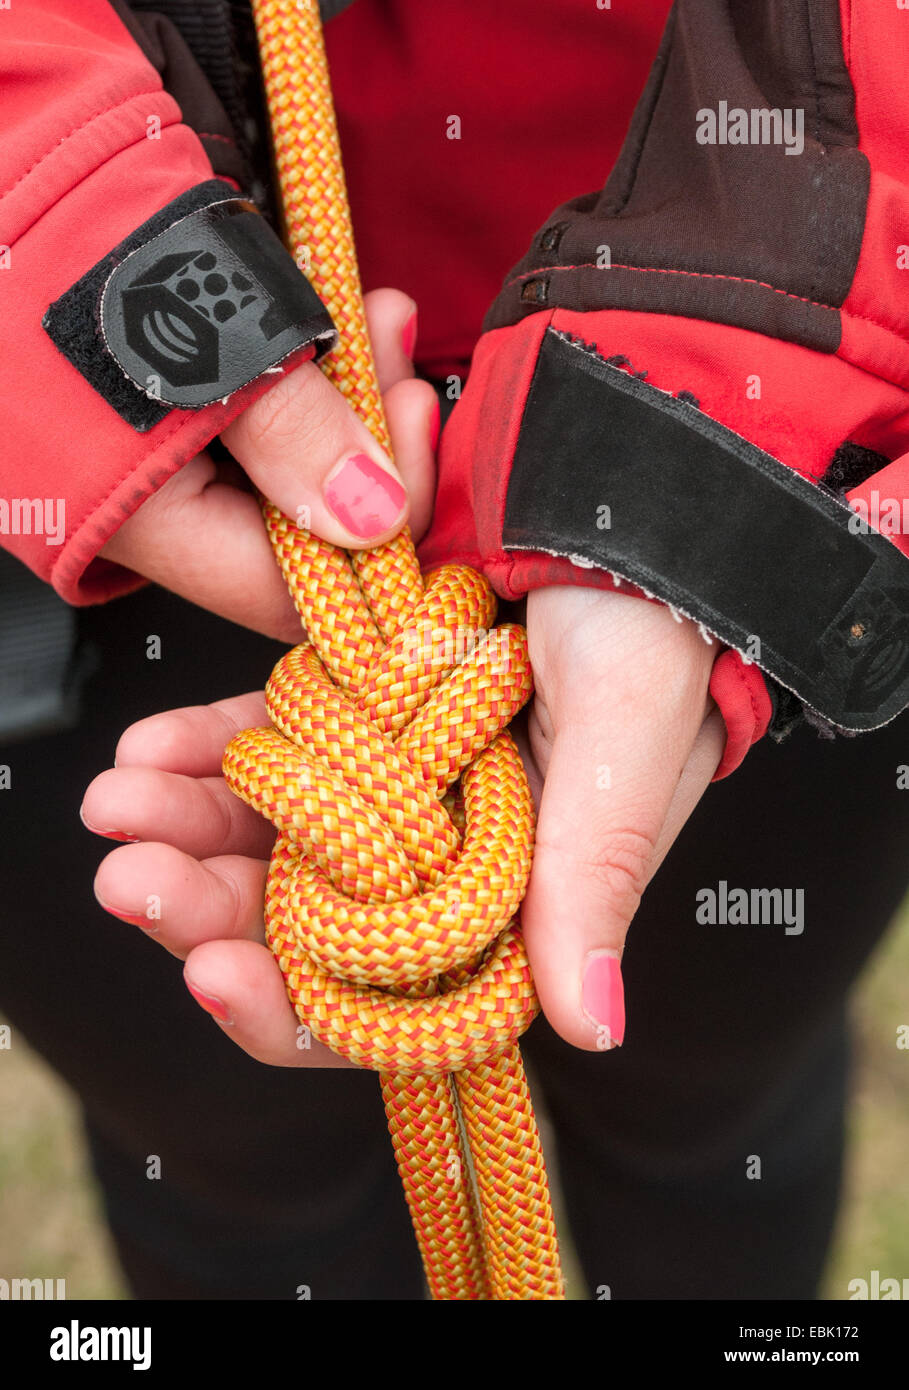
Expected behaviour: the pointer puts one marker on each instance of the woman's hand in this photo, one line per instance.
(196, 881)
(622, 741)
(303, 447)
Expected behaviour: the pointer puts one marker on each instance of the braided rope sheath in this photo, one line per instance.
(403, 815)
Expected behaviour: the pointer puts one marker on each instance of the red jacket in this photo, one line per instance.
(740, 278)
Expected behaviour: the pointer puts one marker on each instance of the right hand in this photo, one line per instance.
(620, 684)
(201, 534)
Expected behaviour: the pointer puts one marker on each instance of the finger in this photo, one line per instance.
(181, 901)
(391, 317)
(312, 455)
(696, 777)
(412, 409)
(191, 740)
(204, 540)
(626, 714)
(240, 984)
(200, 816)
(412, 414)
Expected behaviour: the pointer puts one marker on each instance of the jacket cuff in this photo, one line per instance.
(130, 360)
(706, 466)
(744, 701)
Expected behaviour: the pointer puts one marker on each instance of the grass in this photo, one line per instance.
(51, 1225)
(874, 1219)
(50, 1216)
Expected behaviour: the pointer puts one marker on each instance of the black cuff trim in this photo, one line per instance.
(195, 304)
(851, 465)
(614, 473)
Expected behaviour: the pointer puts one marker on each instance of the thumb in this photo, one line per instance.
(312, 455)
(619, 717)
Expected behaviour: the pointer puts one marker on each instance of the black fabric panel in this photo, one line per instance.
(709, 523)
(716, 300)
(206, 29)
(206, 53)
(852, 464)
(622, 179)
(124, 324)
(738, 233)
(74, 321)
(38, 689)
(201, 102)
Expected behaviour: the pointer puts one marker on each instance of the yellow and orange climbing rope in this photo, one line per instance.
(404, 820)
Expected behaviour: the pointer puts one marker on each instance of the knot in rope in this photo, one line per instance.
(390, 897)
(393, 884)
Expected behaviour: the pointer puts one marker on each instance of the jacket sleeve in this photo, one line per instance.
(696, 382)
(145, 302)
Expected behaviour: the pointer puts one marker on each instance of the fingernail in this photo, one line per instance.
(111, 834)
(210, 1004)
(409, 335)
(148, 924)
(603, 997)
(435, 424)
(364, 496)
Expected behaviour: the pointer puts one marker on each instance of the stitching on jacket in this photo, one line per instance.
(743, 680)
(132, 469)
(181, 423)
(575, 340)
(695, 274)
(847, 41)
(154, 92)
(709, 275)
(108, 159)
(210, 135)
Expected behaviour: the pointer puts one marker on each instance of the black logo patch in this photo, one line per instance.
(205, 307)
(194, 304)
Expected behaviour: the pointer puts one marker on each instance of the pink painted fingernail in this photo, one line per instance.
(209, 1003)
(435, 425)
(409, 335)
(603, 997)
(364, 496)
(136, 919)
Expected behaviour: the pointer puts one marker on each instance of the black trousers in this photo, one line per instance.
(736, 1046)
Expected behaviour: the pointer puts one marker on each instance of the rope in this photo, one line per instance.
(404, 822)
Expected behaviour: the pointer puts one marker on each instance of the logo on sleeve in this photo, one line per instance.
(206, 306)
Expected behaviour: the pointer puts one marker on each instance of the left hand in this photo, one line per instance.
(623, 740)
(201, 534)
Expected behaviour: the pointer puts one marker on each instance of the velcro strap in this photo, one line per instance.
(195, 304)
(619, 475)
